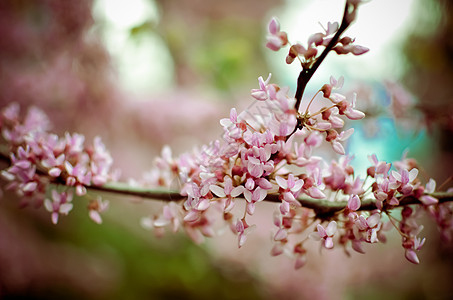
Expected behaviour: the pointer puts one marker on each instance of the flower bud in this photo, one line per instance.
(331, 135)
(371, 171)
(326, 90)
(407, 212)
(326, 114)
(311, 52)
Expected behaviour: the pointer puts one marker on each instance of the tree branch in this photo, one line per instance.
(306, 74)
(323, 208)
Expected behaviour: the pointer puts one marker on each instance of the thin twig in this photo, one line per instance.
(323, 208)
(306, 74)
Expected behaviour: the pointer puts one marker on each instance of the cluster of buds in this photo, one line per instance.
(316, 42)
(40, 158)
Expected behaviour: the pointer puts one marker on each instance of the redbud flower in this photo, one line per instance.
(96, 207)
(277, 38)
(325, 234)
(243, 229)
(354, 203)
(261, 93)
(60, 204)
(429, 188)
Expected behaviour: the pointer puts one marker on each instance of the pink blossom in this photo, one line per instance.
(228, 192)
(277, 38)
(243, 229)
(96, 207)
(261, 94)
(60, 204)
(256, 196)
(404, 178)
(429, 188)
(325, 234)
(354, 203)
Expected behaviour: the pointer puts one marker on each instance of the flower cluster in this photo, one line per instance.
(269, 152)
(39, 158)
(316, 42)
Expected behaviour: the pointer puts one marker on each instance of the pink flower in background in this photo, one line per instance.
(261, 94)
(243, 229)
(429, 188)
(276, 38)
(96, 207)
(59, 204)
(325, 234)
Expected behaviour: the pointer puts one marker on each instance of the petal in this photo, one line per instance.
(65, 208)
(250, 184)
(48, 205)
(248, 195)
(357, 246)
(354, 203)
(69, 168)
(262, 194)
(30, 187)
(95, 216)
(297, 185)
(316, 193)
(291, 180)
(237, 191)
(331, 228)
(226, 123)
(413, 174)
(217, 190)
(373, 220)
(412, 256)
(428, 200)
(405, 176)
(277, 249)
(359, 50)
(233, 115)
(328, 243)
(281, 182)
(354, 114)
(241, 240)
(203, 204)
(250, 208)
(344, 135)
(274, 43)
(274, 26)
(361, 223)
(80, 190)
(54, 217)
(321, 231)
(300, 262)
(54, 172)
(264, 183)
(430, 186)
(396, 175)
(338, 148)
(159, 222)
(284, 208)
(280, 235)
(192, 216)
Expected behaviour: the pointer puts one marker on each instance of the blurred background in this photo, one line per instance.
(146, 73)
